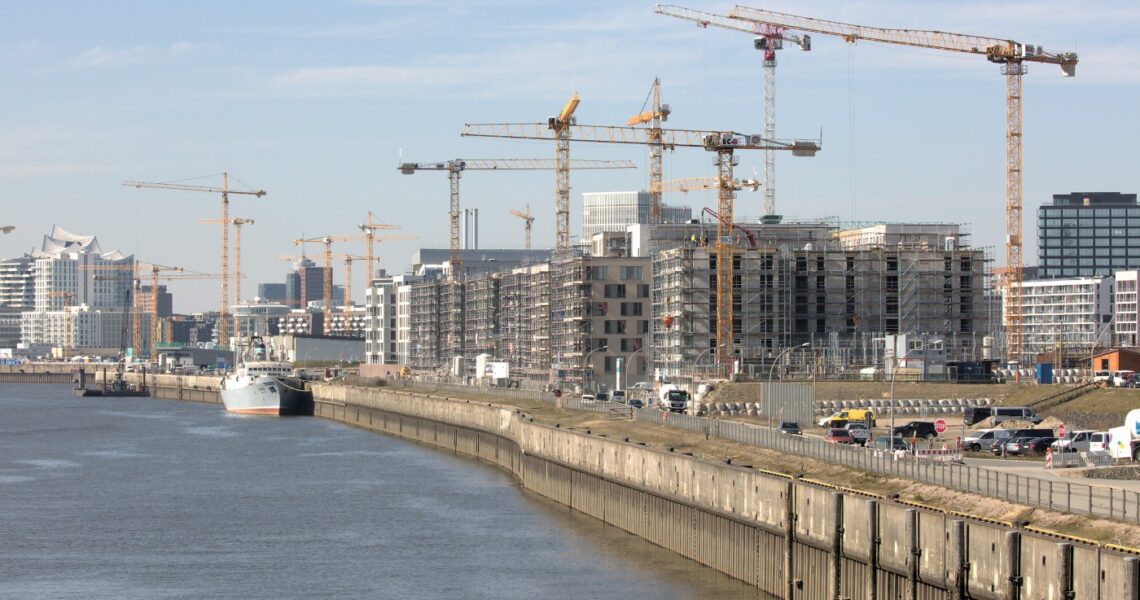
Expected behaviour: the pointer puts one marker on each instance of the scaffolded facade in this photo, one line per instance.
(425, 351)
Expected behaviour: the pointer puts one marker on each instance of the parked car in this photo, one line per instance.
(618, 396)
(890, 443)
(1122, 378)
(1013, 413)
(1098, 442)
(859, 432)
(790, 428)
(641, 385)
(921, 429)
(601, 396)
(975, 414)
(636, 403)
(589, 398)
(1015, 445)
(1039, 445)
(984, 438)
(1102, 376)
(836, 435)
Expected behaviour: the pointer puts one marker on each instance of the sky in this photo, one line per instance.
(318, 102)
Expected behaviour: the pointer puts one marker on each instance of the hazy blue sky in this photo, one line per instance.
(314, 102)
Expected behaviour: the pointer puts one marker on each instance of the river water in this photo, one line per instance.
(131, 498)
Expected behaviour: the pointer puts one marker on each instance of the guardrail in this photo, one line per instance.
(1074, 498)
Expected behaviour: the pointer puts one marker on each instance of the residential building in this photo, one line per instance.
(1125, 307)
(17, 287)
(1088, 234)
(1070, 315)
(380, 322)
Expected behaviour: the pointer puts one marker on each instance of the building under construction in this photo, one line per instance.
(834, 292)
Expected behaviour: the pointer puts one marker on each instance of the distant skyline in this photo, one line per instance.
(317, 102)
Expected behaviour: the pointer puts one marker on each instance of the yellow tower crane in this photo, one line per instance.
(456, 167)
(327, 242)
(723, 143)
(175, 273)
(237, 222)
(368, 259)
(369, 228)
(691, 184)
(225, 191)
(1012, 56)
(528, 219)
(654, 116)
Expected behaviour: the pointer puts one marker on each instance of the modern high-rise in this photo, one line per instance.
(1073, 316)
(1088, 234)
(614, 211)
(17, 289)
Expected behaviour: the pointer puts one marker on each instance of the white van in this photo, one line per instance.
(1074, 441)
(1098, 442)
(1121, 378)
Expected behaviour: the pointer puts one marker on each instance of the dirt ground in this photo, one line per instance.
(617, 424)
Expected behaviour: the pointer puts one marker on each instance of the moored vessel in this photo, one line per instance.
(265, 387)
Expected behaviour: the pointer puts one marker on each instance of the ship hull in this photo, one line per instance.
(267, 395)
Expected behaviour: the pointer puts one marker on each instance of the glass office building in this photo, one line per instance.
(1090, 234)
(613, 211)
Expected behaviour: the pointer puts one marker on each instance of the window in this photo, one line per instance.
(631, 309)
(614, 290)
(630, 273)
(596, 273)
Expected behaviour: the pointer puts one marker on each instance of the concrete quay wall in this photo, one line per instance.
(787, 537)
(752, 525)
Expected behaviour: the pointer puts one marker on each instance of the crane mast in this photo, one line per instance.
(1012, 56)
(723, 143)
(769, 39)
(223, 334)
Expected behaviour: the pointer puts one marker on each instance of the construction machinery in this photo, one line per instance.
(654, 116)
(723, 143)
(327, 242)
(237, 222)
(457, 166)
(691, 184)
(348, 258)
(369, 228)
(1012, 56)
(769, 39)
(528, 219)
(225, 191)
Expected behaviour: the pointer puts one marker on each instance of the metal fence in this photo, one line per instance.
(1075, 498)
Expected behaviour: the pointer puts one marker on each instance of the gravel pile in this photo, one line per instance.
(1131, 472)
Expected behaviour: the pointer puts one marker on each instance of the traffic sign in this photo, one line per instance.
(1061, 430)
(940, 425)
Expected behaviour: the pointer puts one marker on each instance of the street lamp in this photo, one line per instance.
(629, 366)
(898, 360)
(586, 361)
(771, 371)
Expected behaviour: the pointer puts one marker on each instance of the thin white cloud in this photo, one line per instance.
(104, 56)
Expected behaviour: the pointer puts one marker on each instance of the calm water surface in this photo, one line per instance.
(142, 499)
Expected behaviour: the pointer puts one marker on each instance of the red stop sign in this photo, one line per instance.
(940, 425)
(1061, 430)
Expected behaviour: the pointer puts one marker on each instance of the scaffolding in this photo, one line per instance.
(481, 316)
(425, 324)
(524, 321)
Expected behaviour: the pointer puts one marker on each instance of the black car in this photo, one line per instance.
(601, 396)
(1014, 445)
(790, 427)
(921, 429)
(635, 403)
(1039, 445)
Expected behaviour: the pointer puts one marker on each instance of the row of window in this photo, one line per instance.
(601, 273)
(1134, 249)
(1053, 211)
(1107, 231)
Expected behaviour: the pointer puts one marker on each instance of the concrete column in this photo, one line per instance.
(876, 540)
(837, 548)
(789, 539)
(961, 562)
(1132, 579)
(1013, 548)
(1065, 569)
(912, 554)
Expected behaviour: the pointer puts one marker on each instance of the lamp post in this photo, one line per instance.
(771, 371)
(898, 360)
(586, 362)
(628, 367)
